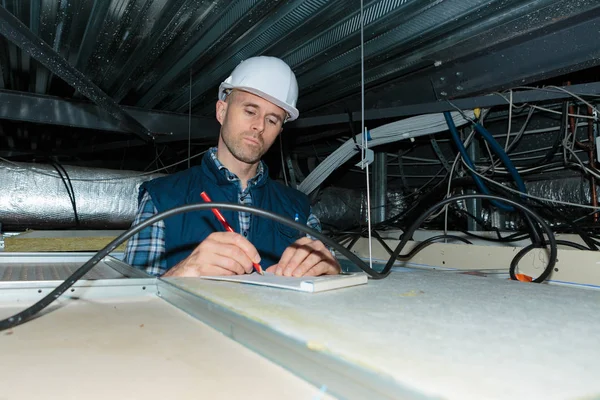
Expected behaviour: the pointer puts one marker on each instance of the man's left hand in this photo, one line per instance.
(306, 257)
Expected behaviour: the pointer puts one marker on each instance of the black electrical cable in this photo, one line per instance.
(426, 243)
(445, 237)
(392, 221)
(415, 225)
(26, 314)
(68, 186)
(465, 182)
(353, 242)
(514, 237)
(534, 231)
(515, 261)
(479, 222)
(572, 244)
(77, 220)
(29, 312)
(376, 235)
(584, 236)
(544, 211)
(420, 246)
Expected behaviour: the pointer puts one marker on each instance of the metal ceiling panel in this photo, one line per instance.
(141, 52)
(238, 18)
(516, 46)
(17, 33)
(288, 20)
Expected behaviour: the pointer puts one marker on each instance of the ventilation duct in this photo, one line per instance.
(33, 196)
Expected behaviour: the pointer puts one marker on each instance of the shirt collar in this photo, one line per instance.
(231, 177)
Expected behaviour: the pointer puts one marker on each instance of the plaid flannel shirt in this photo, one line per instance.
(145, 250)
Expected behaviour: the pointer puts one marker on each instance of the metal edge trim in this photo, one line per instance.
(340, 378)
(125, 269)
(98, 283)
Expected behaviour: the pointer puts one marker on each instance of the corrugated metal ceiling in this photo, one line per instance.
(141, 52)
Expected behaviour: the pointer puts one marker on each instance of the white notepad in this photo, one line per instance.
(310, 284)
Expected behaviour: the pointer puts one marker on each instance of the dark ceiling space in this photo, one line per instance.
(88, 81)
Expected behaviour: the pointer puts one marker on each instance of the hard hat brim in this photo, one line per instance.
(291, 111)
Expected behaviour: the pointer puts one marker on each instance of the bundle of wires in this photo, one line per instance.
(536, 235)
(401, 130)
(496, 148)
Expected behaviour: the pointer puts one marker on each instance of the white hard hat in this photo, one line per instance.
(267, 77)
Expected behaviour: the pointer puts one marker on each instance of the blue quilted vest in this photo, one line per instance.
(183, 232)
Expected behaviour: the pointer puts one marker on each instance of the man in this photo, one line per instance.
(254, 103)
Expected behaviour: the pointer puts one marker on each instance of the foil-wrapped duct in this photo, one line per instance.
(33, 196)
(343, 208)
(339, 208)
(572, 190)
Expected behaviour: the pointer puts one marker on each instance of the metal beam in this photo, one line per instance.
(558, 49)
(473, 205)
(41, 109)
(16, 32)
(379, 196)
(526, 96)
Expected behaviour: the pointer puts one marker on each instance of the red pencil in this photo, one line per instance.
(228, 227)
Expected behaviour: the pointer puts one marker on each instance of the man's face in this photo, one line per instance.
(249, 125)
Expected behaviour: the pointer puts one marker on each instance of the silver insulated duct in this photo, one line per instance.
(33, 196)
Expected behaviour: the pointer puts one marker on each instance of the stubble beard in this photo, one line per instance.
(244, 152)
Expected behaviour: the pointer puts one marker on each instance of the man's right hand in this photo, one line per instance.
(221, 253)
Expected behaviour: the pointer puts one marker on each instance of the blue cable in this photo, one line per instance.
(503, 156)
(496, 148)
